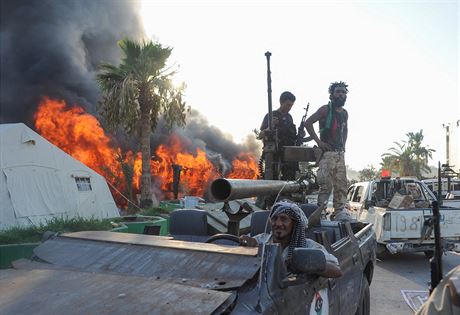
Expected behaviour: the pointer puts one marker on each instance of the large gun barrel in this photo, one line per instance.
(224, 189)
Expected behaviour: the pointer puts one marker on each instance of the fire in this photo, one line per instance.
(81, 135)
(78, 134)
(245, 166)
(196, 171)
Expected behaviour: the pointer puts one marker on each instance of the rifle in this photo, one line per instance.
(301, 130)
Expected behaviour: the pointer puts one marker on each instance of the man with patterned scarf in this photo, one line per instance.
(288, 224)
(331, 176)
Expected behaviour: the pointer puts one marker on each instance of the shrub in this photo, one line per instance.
(33, 234)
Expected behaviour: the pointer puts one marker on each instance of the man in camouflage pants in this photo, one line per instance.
(332, 174)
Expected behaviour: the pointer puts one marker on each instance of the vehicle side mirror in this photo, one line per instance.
(308, 261)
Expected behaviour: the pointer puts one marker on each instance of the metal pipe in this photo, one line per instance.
(439, 184)
(436, 260)
(224, 189)
(176, 179)
(269, 91)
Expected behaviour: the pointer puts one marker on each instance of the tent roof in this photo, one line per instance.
(38, 180)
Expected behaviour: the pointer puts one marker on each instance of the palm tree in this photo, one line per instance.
(135, 94)
(421, 154)
(408, 158)
(367, 173)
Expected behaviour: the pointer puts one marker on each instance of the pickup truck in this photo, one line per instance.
(99, 272)
(400, 210)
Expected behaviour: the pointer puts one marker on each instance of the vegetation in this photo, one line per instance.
(368, 173)
(33, 234)
(408, 157)
(136, 93)
(154, 211)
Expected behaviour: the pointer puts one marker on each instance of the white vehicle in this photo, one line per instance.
(454, 188)
(400, 210)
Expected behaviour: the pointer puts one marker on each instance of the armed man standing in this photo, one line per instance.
(286, 131)
(332, 174)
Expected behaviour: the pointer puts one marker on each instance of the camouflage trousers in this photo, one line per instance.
(332, 177)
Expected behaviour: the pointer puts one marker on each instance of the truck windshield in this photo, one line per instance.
(385, 189)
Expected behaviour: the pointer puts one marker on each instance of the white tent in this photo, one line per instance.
(39, 181)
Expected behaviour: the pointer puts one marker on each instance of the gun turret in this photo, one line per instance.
(224, 189)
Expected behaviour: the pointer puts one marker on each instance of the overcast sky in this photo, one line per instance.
(400, 59)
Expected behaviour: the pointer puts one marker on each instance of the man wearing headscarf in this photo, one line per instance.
(288, 225)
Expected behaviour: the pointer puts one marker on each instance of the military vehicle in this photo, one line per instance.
(400, 209)
(195, 270)
(99, 272)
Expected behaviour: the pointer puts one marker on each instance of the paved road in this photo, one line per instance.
(394, 273)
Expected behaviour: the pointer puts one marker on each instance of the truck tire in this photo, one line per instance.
(381, 251)
(364, 306)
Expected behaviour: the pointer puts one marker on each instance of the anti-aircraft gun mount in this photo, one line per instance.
(273, 153)
(233, 193)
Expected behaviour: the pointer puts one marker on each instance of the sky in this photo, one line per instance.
(399, 58)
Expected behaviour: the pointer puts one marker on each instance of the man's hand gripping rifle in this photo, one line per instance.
(301, 130)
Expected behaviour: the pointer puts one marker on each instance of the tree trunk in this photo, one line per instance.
(146, 179)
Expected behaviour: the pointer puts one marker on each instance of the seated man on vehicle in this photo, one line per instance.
(288, 225)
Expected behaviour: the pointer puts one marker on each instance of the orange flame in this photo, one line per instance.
(81, 135)
(245, 166)
(78, 134)
(196, 172)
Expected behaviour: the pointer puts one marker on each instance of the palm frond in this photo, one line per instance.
(131, 52)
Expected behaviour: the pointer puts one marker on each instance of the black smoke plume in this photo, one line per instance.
(219, 147)
(53, 47)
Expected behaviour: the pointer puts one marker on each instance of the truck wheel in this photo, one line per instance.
(381, 251)
(364, 306)
(428, 253)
